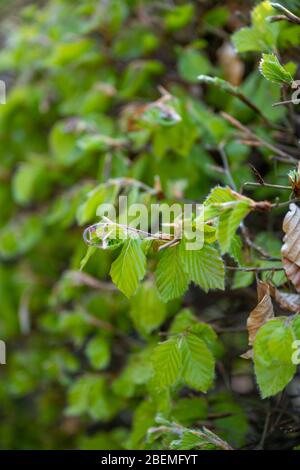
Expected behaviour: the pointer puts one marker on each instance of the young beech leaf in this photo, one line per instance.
(229, 222)
(204, 267)
(147, 310)
(89, 253)
(262, 35)
(291, 248)
(130, 267)
(231, 208)
(167, 363)
(273, 71)
(273, 352)
(171, 280)
(262, 312)
(198, 363)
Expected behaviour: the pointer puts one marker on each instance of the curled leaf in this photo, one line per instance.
(262, 312)
(285, 300)
(291, 248)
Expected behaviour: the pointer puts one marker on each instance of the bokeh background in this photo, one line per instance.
(79, 75)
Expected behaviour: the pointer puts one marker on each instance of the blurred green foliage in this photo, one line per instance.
(81, 123)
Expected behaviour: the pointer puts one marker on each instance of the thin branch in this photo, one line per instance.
(267, 185)
(234, 122)
(254, 269)
(226, 165)
(287, 14)
(79, 278)
(284, 204)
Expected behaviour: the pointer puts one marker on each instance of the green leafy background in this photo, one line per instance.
(140, 362)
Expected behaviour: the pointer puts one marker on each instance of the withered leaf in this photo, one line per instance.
(262, 312)
(285, 300)
(291, 248)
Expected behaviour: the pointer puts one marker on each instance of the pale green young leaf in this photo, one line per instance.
(198, 363)
(261, 35)
(229, 222)
(219, 195)
(272, 70)
(167, 363)
(235, 250)
(130, 267)
(273, 352)
(187, 441)
(171, 280)
(205, 267)
(89, 252)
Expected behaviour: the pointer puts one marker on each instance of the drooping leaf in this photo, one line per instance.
(171, 280)
(198, 363)
(167, 363)
(130, 267)
(204, 267)
(261, 313)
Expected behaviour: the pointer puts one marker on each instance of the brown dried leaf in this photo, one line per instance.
(286, 301)
(248, 354)
(291, 248)
(262, 312)
(231, 64)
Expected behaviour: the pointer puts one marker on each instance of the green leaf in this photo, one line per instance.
(229, 222)
(188, 410)
(30, 182)
(179, 16)
(98, 352)
(188, 440)
(130, 267)
(219, 83)
(171, 280)
(89, 253)
(191, 64)
(167, 363)
(242, 279)
(273, 356)
(262, 35)
(273, 71)
(235, 249)
(147, 310)
(231, 208)
(198, 363)
(205, 267)
(143, 419)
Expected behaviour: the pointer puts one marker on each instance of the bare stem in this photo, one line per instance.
(267, 185)
(234, 122)
(254, 269)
